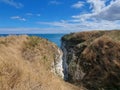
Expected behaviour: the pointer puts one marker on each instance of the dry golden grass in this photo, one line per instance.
(26, 65)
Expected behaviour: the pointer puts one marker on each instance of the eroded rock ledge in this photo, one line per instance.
(92, 59)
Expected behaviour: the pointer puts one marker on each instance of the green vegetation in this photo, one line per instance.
(67, 37)
(3, 42)
(33, 41)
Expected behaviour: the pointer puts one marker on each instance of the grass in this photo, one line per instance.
(24, 64)
(33, 41)
(98, 56)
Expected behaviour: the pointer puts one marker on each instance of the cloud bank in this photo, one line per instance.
(103, 16)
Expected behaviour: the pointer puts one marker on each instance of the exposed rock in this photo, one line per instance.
(93, 59)
(57, 65)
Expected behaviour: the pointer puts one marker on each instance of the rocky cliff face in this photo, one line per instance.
(57, 65)
(92, 59)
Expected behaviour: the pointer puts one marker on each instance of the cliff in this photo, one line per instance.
(31, 63)
(92, 59)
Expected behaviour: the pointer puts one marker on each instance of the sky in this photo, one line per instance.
(58, 16)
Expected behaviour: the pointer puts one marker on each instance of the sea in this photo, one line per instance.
(55, 38)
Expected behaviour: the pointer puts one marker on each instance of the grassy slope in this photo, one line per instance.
(98, 56)
(25, 64)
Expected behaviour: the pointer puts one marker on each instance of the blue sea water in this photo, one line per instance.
(55, 38)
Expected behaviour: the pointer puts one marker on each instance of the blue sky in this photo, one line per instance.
(58, 16)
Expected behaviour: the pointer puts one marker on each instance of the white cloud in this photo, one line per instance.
(72, 26)
(64, 27)
(12, 3)
(31, 14)
(111, 12)
(55, 2)
(96, 5)
(57, 24)
(31, 30)
(79, 4)
(18, 18)
(101, 17)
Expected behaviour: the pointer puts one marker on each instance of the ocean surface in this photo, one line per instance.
(55, 38)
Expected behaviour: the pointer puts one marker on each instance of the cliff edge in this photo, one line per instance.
(31, 63)
(92, 59)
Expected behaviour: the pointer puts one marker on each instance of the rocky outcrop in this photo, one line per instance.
(57, 67)
(92, 59)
